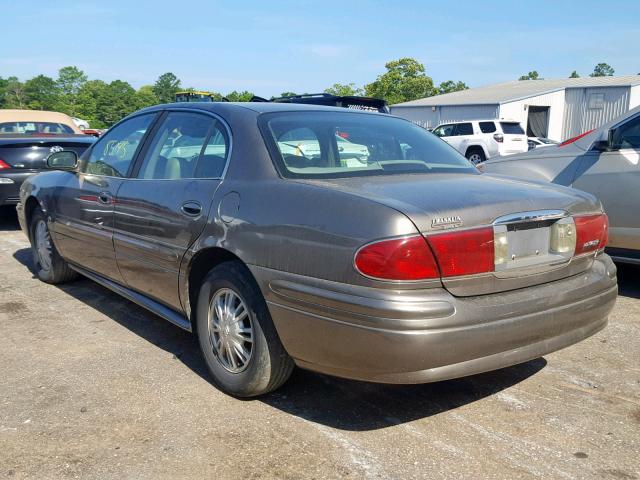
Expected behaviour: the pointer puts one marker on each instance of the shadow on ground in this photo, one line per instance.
(8, 219)
(341, 404)
(629, 280)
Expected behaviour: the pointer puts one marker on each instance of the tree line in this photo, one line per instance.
(102, 104)
(600, 70)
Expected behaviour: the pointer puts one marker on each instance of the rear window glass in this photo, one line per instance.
(30, 128)
(487, 127)
(464, 129)
(331, 145)
(512, 127)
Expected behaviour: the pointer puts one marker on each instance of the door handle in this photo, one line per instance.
(105, 197)
(191, 209)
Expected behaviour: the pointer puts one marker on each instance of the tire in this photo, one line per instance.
(475, 155)
(239, 367)
(49, 266)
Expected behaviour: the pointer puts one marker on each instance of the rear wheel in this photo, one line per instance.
(237, 337)
(50, 267)
(476, 155)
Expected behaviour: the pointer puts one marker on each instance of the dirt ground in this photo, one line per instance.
(93, 386)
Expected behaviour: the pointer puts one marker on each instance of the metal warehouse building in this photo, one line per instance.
(557, 109)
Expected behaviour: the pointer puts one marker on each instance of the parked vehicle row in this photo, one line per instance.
(346, 242)
(27, 137)
(479, 140)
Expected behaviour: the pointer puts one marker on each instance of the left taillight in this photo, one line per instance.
(400, 259)
(592, 233)
(4, 165)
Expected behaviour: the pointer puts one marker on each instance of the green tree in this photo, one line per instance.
(145, 97)
(533, 75)
(4, 82)
(90, 100)
(244, 96)
(14, 94)
(287, 94)
(574, 74)
(117, 101)
(602, 70)
(166, 87)
(449, 86)
(41, 93)
(70, 80)
(404, 80)
(344, 89)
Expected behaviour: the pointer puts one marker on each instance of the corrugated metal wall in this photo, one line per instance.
(429, 117)
(579, 117)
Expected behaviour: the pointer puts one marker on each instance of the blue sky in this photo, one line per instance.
(273, 46)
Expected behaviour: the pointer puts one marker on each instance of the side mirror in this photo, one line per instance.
(64, 160)
(605, 142)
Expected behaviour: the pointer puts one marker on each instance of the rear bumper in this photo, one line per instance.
(10, 192)
(416, 336)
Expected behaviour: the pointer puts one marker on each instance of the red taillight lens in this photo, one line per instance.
(465, 252)
(406, 258)
(4, 165)
(592, 233)
(574, 139)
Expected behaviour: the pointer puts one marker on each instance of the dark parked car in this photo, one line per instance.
(248, 224)
(23, 155)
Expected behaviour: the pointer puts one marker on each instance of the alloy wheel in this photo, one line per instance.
(43, 245)
(230, 330)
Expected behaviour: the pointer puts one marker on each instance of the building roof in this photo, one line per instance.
(517, 90)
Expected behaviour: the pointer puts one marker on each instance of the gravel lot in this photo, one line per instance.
(93, 386)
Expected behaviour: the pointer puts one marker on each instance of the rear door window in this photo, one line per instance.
(487, 127)
(512, 128)
(186, 145)
(464, 129)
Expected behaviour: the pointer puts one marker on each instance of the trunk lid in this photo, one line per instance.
(436, 202)
(29, 153)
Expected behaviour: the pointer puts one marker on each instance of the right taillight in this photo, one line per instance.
(592, 233)
(4, 165)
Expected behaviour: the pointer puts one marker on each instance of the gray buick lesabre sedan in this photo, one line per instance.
(349, 243)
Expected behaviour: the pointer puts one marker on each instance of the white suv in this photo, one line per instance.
(479, 140)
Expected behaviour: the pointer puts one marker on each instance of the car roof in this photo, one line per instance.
(14, 115)
(507, 120)
(257, 107)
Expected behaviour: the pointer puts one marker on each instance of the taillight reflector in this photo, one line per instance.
(592, 233)
(4, 164)
(464, 252)
(407, 258)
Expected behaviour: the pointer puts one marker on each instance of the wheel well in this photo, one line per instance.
(201, 264)
(474, 148)
(29, 207)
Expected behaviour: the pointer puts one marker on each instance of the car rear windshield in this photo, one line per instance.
(31, 128)
(512, 127)
(337, 144)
